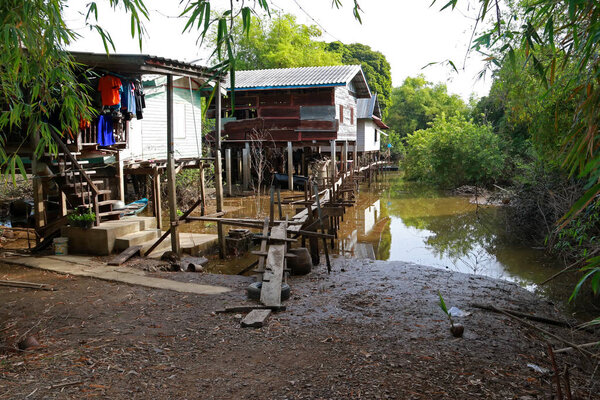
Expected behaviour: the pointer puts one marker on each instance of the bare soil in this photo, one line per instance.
(369, 330)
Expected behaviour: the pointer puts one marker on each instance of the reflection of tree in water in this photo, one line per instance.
(385, 242)
(458, 235)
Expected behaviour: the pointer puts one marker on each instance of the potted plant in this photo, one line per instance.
(84, 220)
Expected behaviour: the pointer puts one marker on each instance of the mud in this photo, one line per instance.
(369, 330)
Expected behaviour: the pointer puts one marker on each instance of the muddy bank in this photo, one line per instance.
(368, 330)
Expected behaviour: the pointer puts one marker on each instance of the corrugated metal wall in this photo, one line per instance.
(148, 136)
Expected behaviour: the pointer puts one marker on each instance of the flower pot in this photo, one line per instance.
(87, 224)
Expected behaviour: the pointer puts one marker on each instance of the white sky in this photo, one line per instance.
(408, 32)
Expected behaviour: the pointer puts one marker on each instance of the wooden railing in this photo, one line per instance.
(71, 177)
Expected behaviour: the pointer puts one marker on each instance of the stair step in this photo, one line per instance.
(110, 213)
(72, 185)
(137, 238)
(55, 163)
(165, 245)
(73, 153)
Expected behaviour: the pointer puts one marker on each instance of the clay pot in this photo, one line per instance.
(302, 263)
(457, 330)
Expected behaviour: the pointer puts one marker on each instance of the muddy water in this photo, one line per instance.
(405, 221)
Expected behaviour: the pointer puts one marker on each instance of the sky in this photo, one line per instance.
(410, 33)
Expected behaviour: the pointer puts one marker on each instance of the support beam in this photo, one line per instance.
(219, 171)
(228, 171)
(120, 176)
(171, 169)
(333, 172)
(355, 163)
(156, 198)
(239, 156)
(246, 166)
(345, 156)
(290, 166)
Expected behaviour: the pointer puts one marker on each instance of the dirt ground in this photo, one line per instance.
(369, 330)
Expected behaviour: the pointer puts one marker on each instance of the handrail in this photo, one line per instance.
(74, 162)
(82, 174)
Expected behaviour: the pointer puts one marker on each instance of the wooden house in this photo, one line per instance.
(369, 126)
(304, 110)
(160, 135)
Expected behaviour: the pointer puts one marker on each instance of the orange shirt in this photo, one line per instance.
(109, 89)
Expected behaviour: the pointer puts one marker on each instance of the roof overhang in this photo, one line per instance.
(380, 123)
(140, 64)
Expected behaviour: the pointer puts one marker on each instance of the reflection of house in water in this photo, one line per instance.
(363, 225)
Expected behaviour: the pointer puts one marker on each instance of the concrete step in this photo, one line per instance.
(164, 246)
(146, 223)
(136, 238)
(195, 244)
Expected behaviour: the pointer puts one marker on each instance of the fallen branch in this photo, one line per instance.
(62, 385)
(536, 318)
(25, 285)
(521, 320)
(581, 346)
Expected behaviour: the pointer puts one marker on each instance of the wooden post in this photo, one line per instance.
(355, 163)
(333, 163)
(120, 176)
(239, 154)
(345, 156)
(290, 166)
(219, 170)
(202, 190)
(246, 163)
(174, 220)
(228, 171)
(156, 198)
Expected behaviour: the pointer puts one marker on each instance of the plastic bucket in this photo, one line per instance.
(61, 246)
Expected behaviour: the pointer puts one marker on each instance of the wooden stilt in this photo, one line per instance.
(246, 166)
(290, 166)
(219, 171)
(228, 171)
(171, 169)
(202, 191)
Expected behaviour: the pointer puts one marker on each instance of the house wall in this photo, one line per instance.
(348, 120)
(148, 136)
(367, 132)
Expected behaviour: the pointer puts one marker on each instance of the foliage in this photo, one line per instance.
(555, 36)
(454, 151)
(416, 103)
(82, 219)
(375, 66)
(281, 42)
(444, 308)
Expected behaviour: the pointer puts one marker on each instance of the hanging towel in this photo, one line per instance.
(105, 130)
(128, 103)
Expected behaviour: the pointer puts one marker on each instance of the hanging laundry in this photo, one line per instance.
(140, 100)
(105, 130)
(128, 103)
(109, 86)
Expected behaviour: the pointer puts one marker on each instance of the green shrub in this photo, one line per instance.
(454, 152)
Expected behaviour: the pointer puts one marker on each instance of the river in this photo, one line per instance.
(411, 222)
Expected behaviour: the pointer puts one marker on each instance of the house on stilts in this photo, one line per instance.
(302, 113)
(147, 124)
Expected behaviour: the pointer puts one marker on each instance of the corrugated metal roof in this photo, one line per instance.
(368, 108)
(301, 77)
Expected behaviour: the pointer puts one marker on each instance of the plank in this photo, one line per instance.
(238, 309)
(256, 318)
(365, 251)
(125, 255)
(270, 294)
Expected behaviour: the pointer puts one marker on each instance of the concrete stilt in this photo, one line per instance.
(290, 166)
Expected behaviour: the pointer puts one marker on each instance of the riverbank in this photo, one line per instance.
(368, 330)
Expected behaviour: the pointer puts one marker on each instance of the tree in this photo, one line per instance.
(416, 103)
(281, 42)
(36, 72)
(375, 66)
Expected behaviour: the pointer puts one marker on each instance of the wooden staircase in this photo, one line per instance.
(77, 189)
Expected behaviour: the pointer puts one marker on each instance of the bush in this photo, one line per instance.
(454, 152)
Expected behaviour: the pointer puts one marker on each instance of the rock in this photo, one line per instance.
(457, 330)
(170, 257)
(28, 343)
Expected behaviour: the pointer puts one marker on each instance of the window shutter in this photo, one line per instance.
(341, 113)
(351, 116)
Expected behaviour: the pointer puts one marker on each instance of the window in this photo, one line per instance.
(376, 133)
(341, 114)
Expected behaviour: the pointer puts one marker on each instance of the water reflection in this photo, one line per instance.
(409, 222)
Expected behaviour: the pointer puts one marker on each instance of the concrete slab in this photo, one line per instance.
(136, 238)
(88, 267)
(194, 244)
